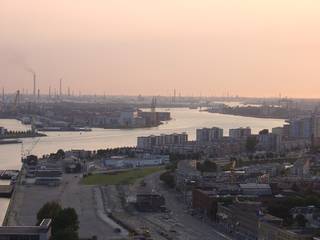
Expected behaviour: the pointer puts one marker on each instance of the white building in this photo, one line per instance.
(145, 160)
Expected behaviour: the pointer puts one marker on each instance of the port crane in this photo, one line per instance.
(27, 151)
(153, 111)
(15, 102)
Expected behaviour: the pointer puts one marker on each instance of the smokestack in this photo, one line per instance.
(34, 86)
(60, 90)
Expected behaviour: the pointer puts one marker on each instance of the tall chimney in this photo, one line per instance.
(2, 95)
(34, 86)
(60, 90)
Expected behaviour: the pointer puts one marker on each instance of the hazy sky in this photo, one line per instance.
(208, 47)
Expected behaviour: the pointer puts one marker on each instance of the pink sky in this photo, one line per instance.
(209, 47)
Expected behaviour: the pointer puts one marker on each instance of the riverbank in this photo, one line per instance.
(27, 134)
(267, 112)
(183, 120)
(10, 141)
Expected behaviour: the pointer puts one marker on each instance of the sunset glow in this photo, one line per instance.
(207, 47)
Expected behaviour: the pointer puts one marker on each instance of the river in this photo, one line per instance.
(183, 120)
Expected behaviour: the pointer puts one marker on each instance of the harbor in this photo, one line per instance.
(183, 120)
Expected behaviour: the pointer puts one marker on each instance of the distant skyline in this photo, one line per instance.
(253, 48)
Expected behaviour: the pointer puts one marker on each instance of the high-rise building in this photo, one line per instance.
(209, 134)
(315, 137)
(240, 132)
(315, 121)
(161, 140)
(301, 128)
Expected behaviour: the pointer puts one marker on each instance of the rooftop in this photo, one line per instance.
(42, 228)
(254, 185)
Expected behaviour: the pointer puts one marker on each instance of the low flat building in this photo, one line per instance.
(146, 201)
(256, 189)
(147, 160)
(240, 217)
(48, 176)
(273, 230)
(41, 232)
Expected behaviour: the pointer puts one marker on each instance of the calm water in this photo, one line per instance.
(184, 120)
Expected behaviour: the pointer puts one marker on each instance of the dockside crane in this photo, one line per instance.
(16, 101)
(154, 119)
(27, 151)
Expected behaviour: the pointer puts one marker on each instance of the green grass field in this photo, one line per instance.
(119, 178)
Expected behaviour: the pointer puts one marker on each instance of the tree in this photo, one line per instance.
(60, 154)
(65, 223)
(264, 131)
(49, 210)
(168, 178)
(65, 234)
(67, 219)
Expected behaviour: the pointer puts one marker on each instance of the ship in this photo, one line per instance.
(10, 141)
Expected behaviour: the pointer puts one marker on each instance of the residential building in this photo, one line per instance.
(301, 168)
(240, 132)
(269, 142)
(300, 128)
(205, 135)
(161, 140)
(278, 131)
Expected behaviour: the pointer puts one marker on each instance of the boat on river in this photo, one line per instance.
(10, 141)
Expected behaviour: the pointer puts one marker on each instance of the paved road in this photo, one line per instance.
(187, 227)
